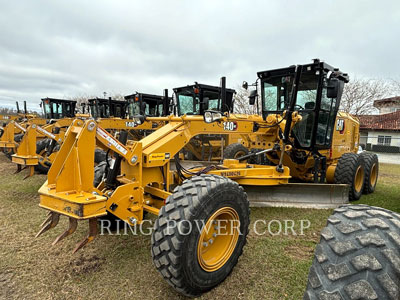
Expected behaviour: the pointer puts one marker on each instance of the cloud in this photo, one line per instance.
(67, 48)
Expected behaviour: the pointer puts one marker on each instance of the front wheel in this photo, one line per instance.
(200, 233)
(234, 151)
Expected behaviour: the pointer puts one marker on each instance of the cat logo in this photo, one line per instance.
(340, 125)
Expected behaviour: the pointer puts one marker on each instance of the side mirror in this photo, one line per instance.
(245, 85)
(206, 102)
(252, 97)
(334, 88)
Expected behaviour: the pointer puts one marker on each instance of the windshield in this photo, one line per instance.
(188, 104)
(193, 104)
(213, 100)
(305, 104)
(93, 111)
(47, 109)
(276, 93)
(133, 109)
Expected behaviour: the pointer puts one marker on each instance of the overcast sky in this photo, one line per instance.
(74, 48)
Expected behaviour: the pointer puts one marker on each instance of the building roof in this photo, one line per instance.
(386, 101)
(389, 121)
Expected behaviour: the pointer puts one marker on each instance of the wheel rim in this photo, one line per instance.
(374, 175)
(358, 182)
(239, 154)
(215, 246)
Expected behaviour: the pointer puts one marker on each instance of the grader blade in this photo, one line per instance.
(49, 223)
(73, 223)
(91, 236)
(299, 195)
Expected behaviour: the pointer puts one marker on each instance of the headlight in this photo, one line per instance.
(207, 117)
(212, 116)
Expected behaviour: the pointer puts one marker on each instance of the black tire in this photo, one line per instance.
(99, 156)
(371, 164)
(8, 153)
(235, 150)
(358, 256)
(175, 248)
(41, 146)
(99, 173)
(18, 137)
(347, 172)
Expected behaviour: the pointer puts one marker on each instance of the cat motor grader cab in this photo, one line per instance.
(195, 100)
(143, 106)
(203, 212)
(149, 105)
(324, 144)
(107, 108)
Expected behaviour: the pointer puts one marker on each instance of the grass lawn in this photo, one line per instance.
(271, 267)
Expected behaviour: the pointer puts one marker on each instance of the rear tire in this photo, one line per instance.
(371, 171)
(99, 173)
(358, 256)
(234, 151)
(99, 156)
(350, 170)
(18, 137)
(41, 146)
(179, 252)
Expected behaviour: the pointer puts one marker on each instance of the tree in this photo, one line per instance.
(359, 95)
(241, 102)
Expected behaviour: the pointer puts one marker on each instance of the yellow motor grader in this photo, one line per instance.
(4, 119)
(195, 100)
(39, 145)
(203, 212)
(14, 127)
(29, 146)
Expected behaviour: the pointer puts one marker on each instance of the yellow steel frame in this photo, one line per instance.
(70, 179)
(145, 178)
(26, 155)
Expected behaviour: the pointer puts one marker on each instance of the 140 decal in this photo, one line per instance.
(230, 126)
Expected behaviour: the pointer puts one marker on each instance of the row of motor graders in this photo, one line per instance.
(202, 211)
(34, 142)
